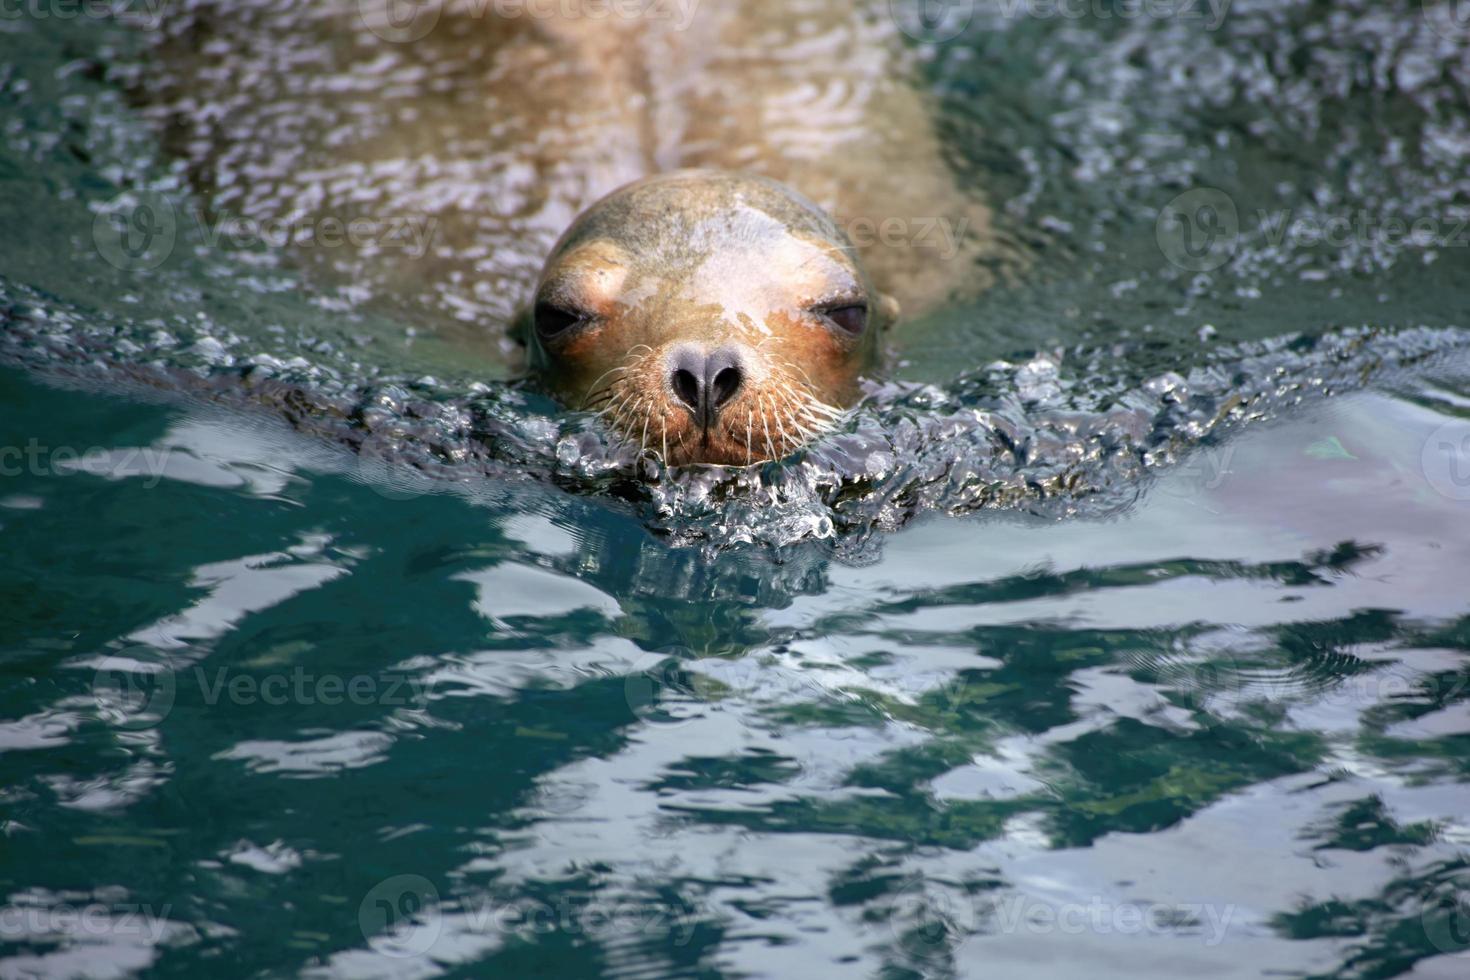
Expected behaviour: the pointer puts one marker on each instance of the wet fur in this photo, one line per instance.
(716, 260)
(502, 130)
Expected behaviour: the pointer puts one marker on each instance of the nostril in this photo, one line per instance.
(705, 381)
(724, 385)
(686, 386)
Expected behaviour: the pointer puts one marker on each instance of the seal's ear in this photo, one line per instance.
(888, 310)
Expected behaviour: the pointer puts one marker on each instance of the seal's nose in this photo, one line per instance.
(705, 381)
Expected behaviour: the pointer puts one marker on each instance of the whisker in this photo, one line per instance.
(811, 385)
(593, 390)
(818, 407)
(766, 424)
(801, 421)
(781, 431)
(807, 435)
(613, 411)
(602, 399)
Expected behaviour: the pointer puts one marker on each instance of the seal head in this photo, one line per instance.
(710, 317)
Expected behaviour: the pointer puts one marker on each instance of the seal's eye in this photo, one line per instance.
(850, 317)
(552, 321)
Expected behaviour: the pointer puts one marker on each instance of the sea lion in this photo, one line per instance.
(711, 317)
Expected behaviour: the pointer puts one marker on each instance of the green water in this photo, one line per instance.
(247, 698)
(270, 709)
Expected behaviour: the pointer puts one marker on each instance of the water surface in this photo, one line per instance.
(1137, 649)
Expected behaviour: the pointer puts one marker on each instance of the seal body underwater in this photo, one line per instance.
(500, 125)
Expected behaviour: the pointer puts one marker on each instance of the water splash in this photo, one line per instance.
(1061, 434)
